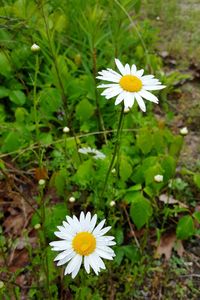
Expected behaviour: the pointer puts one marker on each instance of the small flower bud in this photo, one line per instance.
(112, 203)
(113, 171)
(158, 178)
(66, 129)
(41, 182)
(184, 131)
(35, 48)
(72, 199)
(37, 226)
(1, 284)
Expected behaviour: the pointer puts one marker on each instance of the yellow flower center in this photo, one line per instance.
(130, 83)
(84, 243)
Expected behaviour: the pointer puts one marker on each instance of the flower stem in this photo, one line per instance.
(116, 148)
(35, 100)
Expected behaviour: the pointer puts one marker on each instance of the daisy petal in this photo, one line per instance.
(133, 70)
(119, 98)
(139, 73)
(154, 87)
(140, 102)
(127, 69)
(120, 66)
(98, 228)
(86, 264)
(148, 96)
(76, 260)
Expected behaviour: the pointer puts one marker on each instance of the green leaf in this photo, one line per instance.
(60, 181)
(151, 172)
(5, 69)
(196, 179)
(11, 142)
(20, 114)
(125, 168)
(119, 236)
(140, 210)
(185, 228)
(169, 166)
(84, 110)
(176, 145)
(46, 138)
(4, 92)
(119, 251)
(84, 173)
(18, 97)
(144, 141)
(50, 100)
(196, 215)
(131, 253)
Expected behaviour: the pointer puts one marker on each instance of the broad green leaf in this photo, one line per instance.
(18, 97)
(12, 142)
(139, 172)
(131, 253)
(125, 168)
(119, 251)
(151, 172)
(84, 173)
(5, 68)
(196, 179)
(144, 141)
(169, 166)
(50, 100)
(185, 228)
(176, 145)
(46, 138)
(140, 210)
(119, 236)
(20, 114)
(84, 110)
(4, 92)
(60, 179)
(196, 215)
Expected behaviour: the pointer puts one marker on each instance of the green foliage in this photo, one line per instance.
(140, 210)
(185, 227)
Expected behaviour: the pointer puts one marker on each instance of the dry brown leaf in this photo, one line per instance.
(14, 224)
(19, 260)
(170, 200)
(167, 242)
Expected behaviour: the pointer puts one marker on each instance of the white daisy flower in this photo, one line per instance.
(96, 153)
(129, 85)
(83, 242)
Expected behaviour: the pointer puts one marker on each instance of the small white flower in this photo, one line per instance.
(81, 242)
(112, 203)
(1, 284)
(66, 129)
(96, 153)
(158, 178)
(72, 199)
(158, 18)
(129, 86)
(184, 131)
(35, 48)
(113, 171)
(41, 182)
